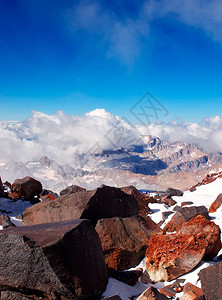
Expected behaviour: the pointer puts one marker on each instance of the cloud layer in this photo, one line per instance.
(61, 136)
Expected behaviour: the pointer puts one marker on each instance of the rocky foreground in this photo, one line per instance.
(79, 244)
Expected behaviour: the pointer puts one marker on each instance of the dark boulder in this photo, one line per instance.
(103, 202)
(141, 199)
(124, 240)
(173, 192)
(61, 260)
(128, 277)
(27, 188)
(211, 281)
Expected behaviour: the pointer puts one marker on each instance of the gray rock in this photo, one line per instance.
(61, 260)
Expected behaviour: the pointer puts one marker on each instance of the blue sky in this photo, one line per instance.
(77, 56)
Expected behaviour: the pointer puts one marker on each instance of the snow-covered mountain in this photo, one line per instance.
(153, 165)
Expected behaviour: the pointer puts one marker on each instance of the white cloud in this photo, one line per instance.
(61, 136)
(207, 134)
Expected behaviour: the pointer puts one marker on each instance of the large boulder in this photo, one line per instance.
(183, 215)
(27, 188)
(211, 281)
(216, 204)
(71, 190)
(141, 199)
(61, 260)
(170, 256)
(124, 240)
(103, 202)
(206, 232)
(173, 192)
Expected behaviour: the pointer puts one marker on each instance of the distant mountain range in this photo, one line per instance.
(153, 165)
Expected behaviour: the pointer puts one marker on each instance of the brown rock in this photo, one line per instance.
(152, 294)
(211, 281)
(71, 190)
(168, 201)
(11, 295)
(124, 240)
(168, 290)
(61, 260)
(192, 292)
(3, 218)
(186, 203)
(141, 199)
(173, 192)
(27, 187)
(128, 277)
(216, 204)
(170, 256)
(206, 233)
(104, 202)
(183, 215)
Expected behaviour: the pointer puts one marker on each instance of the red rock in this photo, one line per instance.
(186, 203)
(206, 233)
(216, 204)
(62, 260)
(124, 240)
(170, 256)
(168, 291)
(14, 195)
(103, 202)
(183, 215)
(192, 292)
(47, 197)
(211, 281)
(152, 294)
(27, 187)
(141, 199)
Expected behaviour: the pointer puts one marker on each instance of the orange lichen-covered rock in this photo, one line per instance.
(216, 204)
(206, 233)
(184, 214)
(170, 256)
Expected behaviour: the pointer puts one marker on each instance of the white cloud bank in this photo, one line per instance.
(61, 136)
